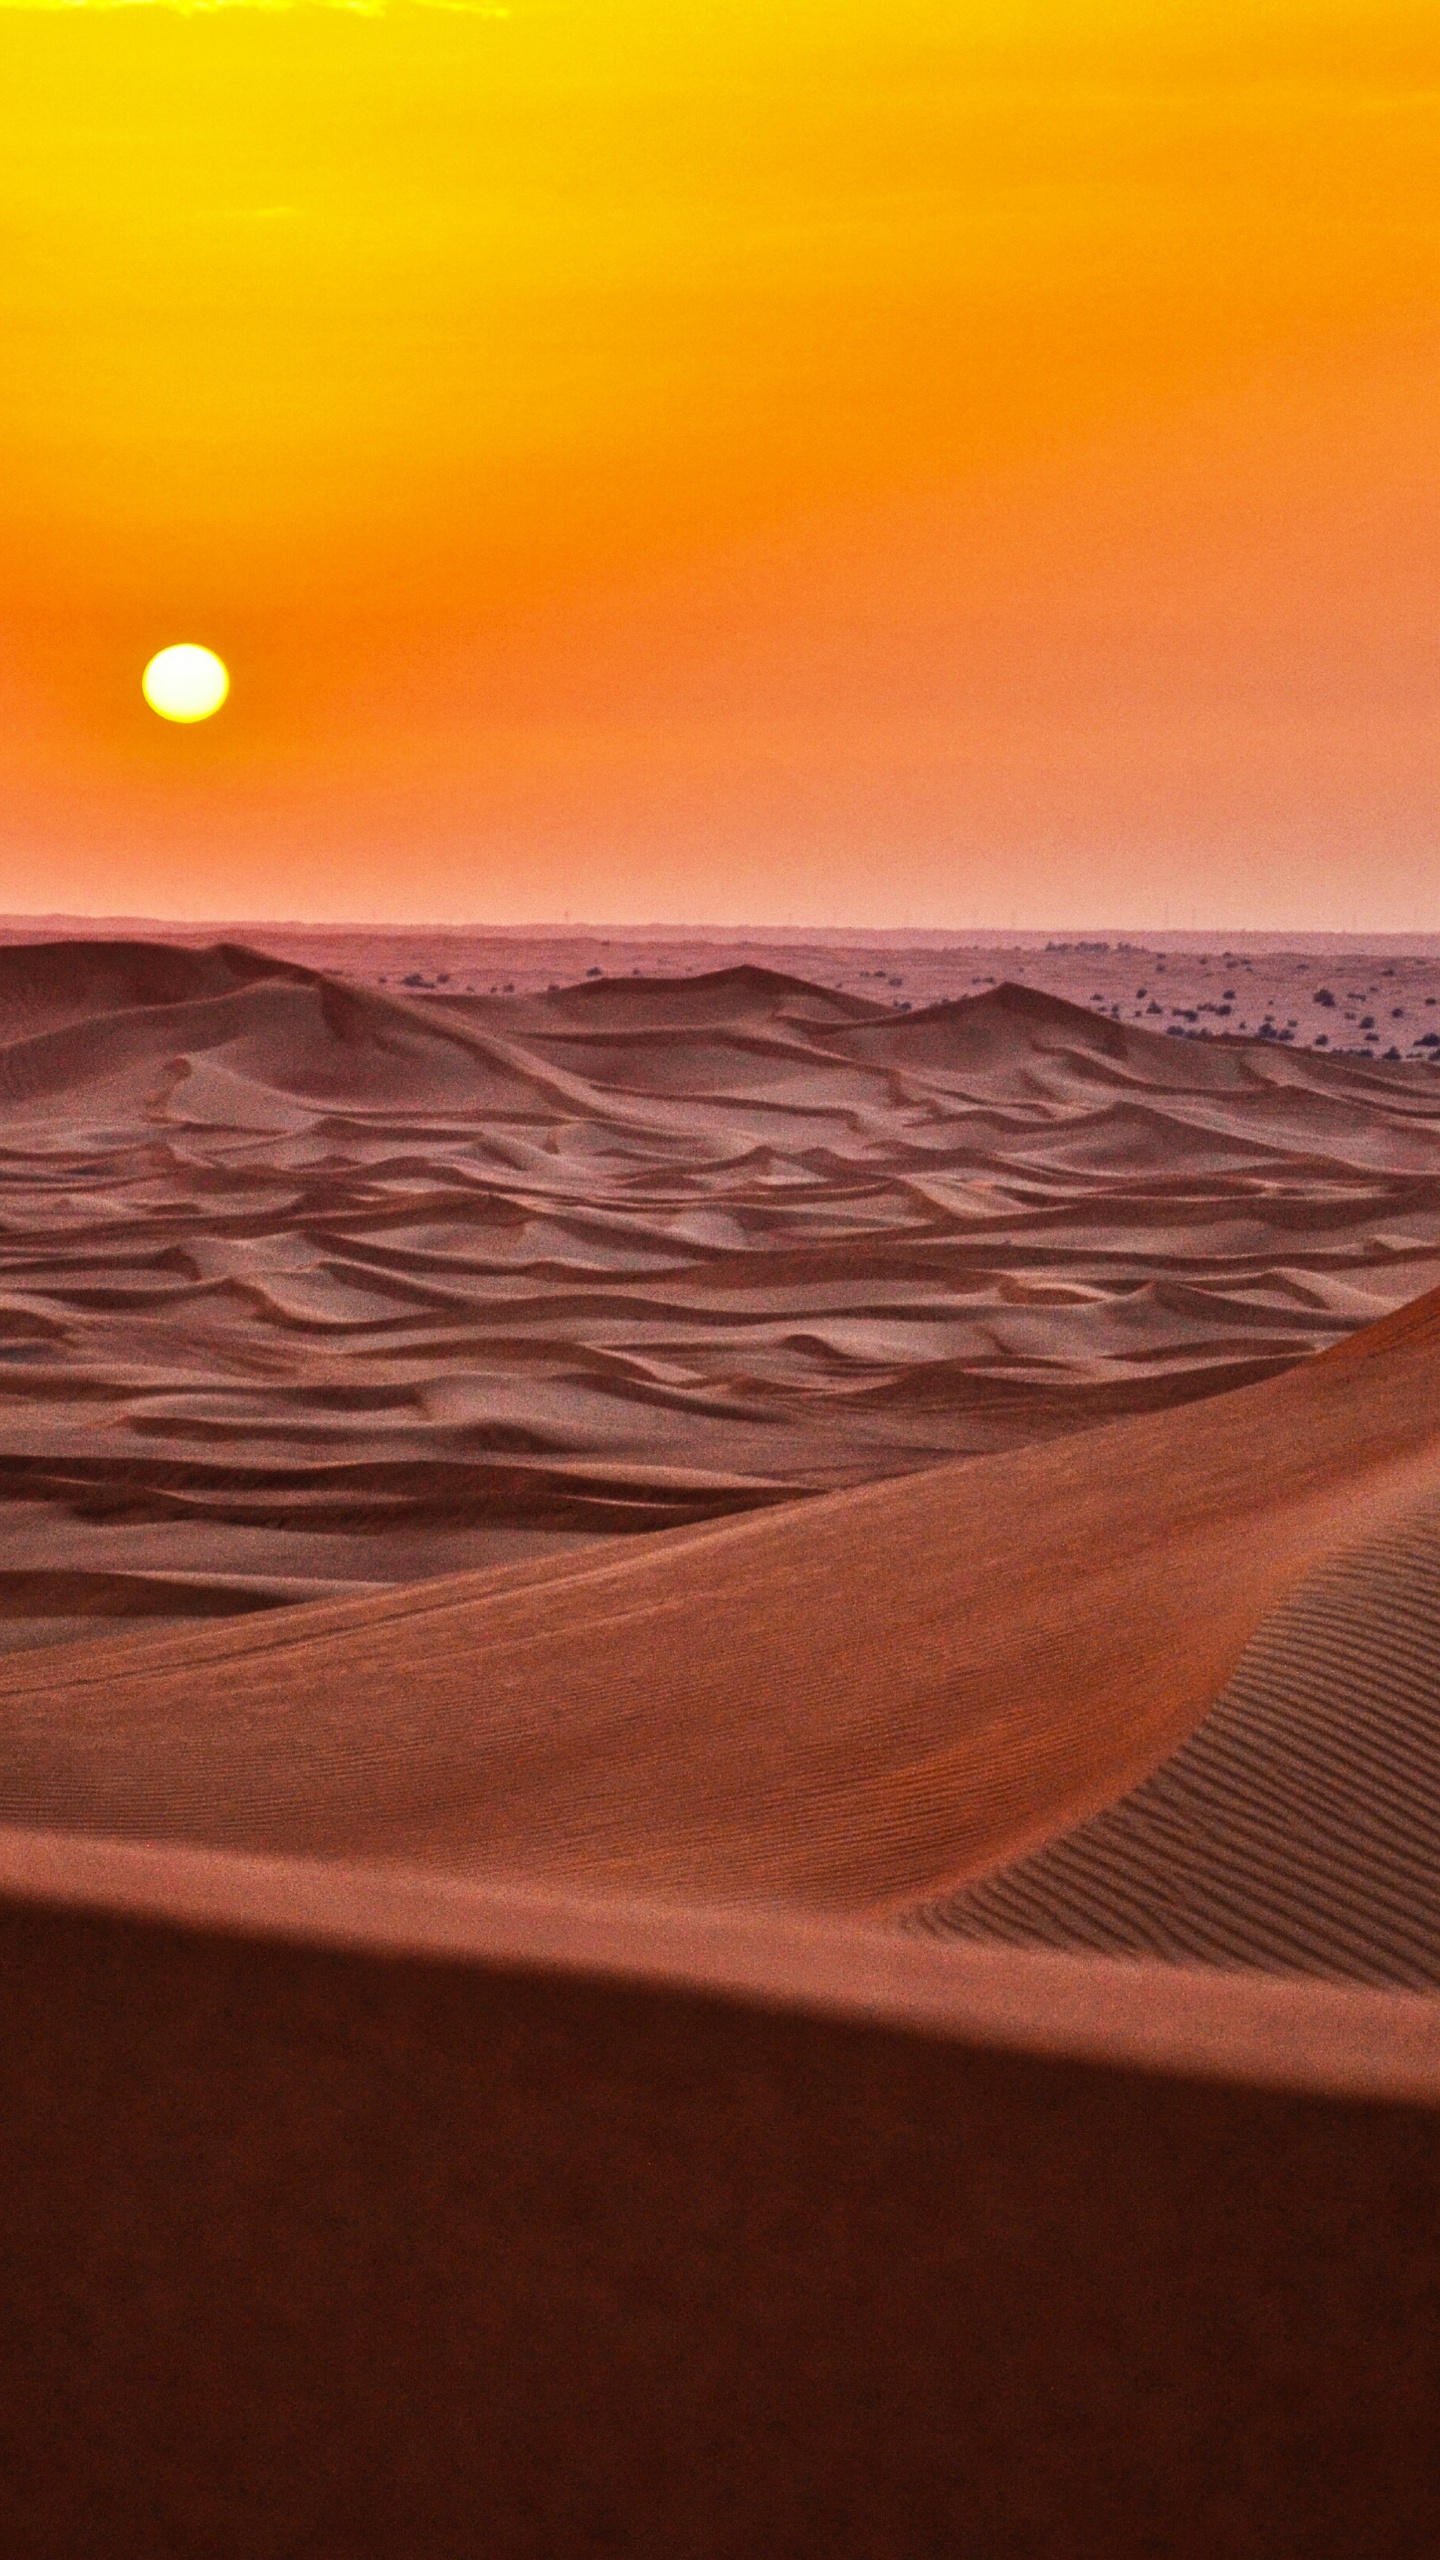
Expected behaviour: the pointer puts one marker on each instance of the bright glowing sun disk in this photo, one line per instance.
(185, 682)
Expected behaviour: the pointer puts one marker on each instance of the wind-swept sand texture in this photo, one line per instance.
(1298, 1829)
(307, 1289)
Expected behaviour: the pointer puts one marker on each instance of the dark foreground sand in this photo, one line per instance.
(507, 2061)
(352, 2216)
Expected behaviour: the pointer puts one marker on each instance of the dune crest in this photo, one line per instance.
(340, 1292)
(308, 1288)
(850, 1704)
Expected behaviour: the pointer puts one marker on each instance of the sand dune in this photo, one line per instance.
(392, 1283)
(366, 2215)
(308, 1287)
(1298, 1829)
(850, 1703)
(499, 2057)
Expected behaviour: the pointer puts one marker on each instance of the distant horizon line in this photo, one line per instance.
(968, 937)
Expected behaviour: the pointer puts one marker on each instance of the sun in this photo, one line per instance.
(186, 682)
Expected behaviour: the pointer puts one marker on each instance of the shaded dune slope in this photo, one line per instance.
(308, 1289)
(1298, 1829)
(362, 2216)
(850, 1704)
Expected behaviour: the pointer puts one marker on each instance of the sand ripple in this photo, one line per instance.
(307, 1288)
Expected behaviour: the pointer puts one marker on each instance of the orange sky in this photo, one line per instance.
(836, 460)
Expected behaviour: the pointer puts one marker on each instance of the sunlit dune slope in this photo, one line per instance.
(849, 1703)
(307, 1289)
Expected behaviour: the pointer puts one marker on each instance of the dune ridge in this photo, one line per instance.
(447, 1212)
(851, 1704)
(308, 1287)
(363, 2214)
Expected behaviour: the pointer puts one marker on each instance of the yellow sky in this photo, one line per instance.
(873, 460)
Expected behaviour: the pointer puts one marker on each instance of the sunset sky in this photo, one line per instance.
(841, 461)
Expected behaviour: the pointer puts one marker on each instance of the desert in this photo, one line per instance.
(599, 1552)
(316, 1281)
(719, 1280)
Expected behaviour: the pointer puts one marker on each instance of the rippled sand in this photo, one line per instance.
(308, 1288)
